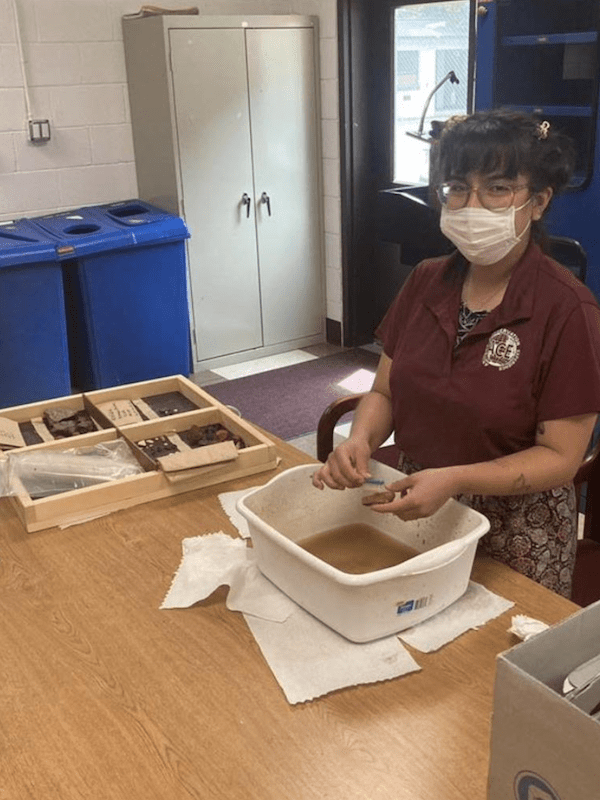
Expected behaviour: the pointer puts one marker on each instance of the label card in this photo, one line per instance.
(10, 433)
(121, 411)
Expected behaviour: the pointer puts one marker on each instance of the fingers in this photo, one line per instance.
(402, 506)
(316, 480)
(416, 496)
(405, 504)
(405, 514)
(346, 467)
(419, 495)
(403, 485)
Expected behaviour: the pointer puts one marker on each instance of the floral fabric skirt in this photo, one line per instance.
(535, 534)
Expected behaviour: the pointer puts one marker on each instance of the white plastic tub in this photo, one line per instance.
(374, 604)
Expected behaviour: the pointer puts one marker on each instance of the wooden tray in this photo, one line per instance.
(193, 468)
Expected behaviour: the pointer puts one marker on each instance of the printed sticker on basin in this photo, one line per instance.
(412, 605)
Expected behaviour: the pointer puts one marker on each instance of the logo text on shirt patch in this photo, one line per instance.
(502, 350)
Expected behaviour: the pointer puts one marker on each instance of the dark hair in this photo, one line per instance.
(508, 143)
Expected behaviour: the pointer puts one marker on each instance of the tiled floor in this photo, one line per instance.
(253, 366)
(264, 364)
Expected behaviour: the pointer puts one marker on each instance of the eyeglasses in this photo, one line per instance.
(496, 196)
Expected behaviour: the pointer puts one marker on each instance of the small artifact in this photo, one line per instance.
(378, 497)
(158, 446)
(169, 403)
(65, 422)
(202, 435)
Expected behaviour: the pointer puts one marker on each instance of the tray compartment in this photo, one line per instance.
(80, 504)
(35, 431)
(257, 454)
(156, 399)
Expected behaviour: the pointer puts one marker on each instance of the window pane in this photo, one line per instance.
(430, 39)
(407, 70)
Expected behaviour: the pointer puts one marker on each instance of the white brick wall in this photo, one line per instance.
(76, 73)
(326, 10)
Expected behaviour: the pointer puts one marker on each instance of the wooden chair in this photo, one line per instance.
(586, 580)
(570, 254)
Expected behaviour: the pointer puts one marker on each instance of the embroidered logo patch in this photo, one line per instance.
(502, 350)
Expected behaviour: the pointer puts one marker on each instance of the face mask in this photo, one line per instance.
(482, 236)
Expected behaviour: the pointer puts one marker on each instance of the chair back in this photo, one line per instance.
(570, 254)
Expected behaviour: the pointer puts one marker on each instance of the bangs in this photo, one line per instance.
(487, 152)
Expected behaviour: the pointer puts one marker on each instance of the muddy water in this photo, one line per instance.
(357, 548)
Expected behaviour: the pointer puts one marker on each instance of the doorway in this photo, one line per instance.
(397, 62)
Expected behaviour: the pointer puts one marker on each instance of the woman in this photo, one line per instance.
(490, 372)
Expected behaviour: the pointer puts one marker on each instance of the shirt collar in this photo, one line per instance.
(518, 302)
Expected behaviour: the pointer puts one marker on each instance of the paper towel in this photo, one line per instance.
(526, 627)
(217, 560)
(307, 658)
(228, 501)
(476, 607)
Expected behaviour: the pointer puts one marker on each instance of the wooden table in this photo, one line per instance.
(104, 696)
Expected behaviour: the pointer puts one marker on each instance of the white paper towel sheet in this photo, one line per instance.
(308, 658)
(526, 627)
(477, 606)
(219, 560)
(228, 501)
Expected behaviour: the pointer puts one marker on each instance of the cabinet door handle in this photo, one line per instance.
(246, 201)
(264, 198)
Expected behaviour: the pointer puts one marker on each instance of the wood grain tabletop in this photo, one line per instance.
(104, 696)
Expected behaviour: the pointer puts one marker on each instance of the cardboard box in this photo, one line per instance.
(131, 413)
(542, 746)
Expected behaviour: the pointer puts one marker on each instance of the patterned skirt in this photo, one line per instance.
(535, 534)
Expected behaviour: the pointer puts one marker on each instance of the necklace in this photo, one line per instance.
(487, 300)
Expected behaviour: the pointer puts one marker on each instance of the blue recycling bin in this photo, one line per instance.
(126, 288)
(34, 356)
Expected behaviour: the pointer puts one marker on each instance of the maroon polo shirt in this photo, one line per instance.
(535, 357)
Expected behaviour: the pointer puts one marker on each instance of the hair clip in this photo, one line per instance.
(542, 129)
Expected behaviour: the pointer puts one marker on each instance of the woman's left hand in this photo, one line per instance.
(420, 494)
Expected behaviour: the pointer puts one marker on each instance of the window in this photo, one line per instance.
(407, 70)
(451, 98)
(430, 39)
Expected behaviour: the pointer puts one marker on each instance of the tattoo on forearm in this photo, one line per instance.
(521, 484)
(541, 429)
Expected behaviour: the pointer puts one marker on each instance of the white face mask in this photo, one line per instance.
(482, 236)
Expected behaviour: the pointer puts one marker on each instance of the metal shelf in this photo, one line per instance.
(553, 111)
(583, 37)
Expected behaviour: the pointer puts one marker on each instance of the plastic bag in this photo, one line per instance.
(47, 472)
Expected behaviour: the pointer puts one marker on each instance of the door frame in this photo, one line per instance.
(366, 120)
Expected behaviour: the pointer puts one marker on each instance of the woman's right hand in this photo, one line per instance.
(346, 467)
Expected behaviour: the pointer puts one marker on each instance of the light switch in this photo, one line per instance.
(39, 130)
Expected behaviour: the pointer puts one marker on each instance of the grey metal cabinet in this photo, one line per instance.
(225, 123)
